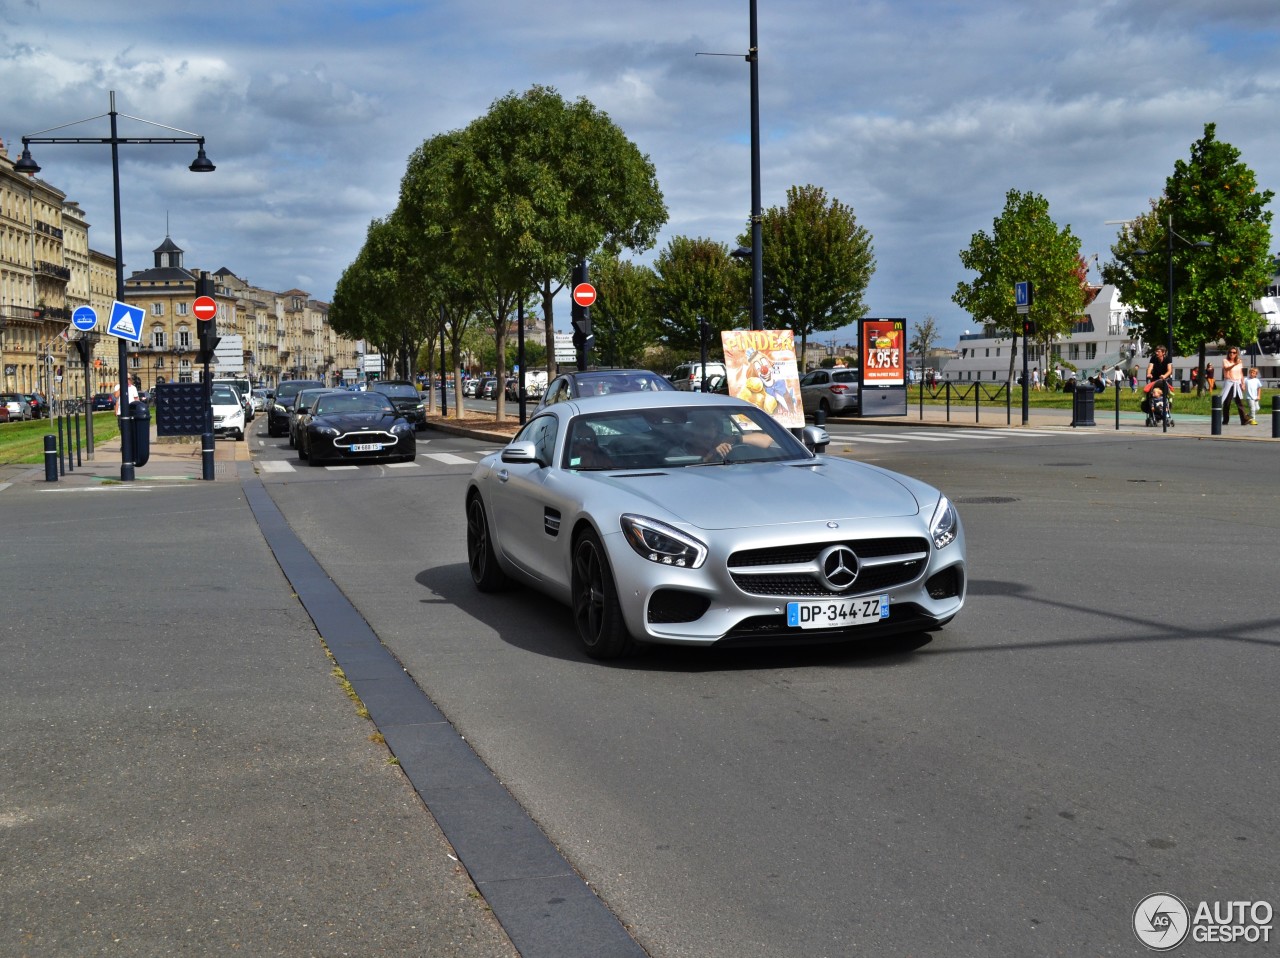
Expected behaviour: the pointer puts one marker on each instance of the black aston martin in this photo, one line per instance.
(355, 427)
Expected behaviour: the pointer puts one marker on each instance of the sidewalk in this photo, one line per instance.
(180, 768)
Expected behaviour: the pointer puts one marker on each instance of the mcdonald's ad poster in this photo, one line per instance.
(762, 370)
(884, 352)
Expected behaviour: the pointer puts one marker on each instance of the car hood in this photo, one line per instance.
(357, 420)
(745, 494)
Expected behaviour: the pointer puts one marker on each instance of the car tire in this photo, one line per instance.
(824, 407)
(482, 560)
(302, 452)
(596, 611)
(239, 435)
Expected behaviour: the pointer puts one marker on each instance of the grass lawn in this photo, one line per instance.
(23, 442)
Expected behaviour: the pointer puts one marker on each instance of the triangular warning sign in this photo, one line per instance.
(123, 326)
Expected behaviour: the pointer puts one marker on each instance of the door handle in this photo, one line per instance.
(503, 475)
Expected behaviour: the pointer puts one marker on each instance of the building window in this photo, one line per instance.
(157, 337)
(184, 337)
(184, 308)
(157, 309)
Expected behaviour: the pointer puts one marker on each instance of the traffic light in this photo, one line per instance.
(206, 328)
(583, 340)
(1028, 327)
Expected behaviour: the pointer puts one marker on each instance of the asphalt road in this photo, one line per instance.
(1096, 726)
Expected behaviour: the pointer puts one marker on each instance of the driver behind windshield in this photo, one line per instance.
(709, 438)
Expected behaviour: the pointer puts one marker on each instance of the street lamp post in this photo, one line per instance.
(1142, 252)
(201, 164)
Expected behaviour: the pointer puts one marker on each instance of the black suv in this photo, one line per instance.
(405, 397)
(282, 406)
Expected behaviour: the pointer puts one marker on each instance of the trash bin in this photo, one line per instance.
(141, 413)
(1185, 387)
(1082, 406)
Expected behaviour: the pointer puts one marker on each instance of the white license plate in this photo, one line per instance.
(837, 614)
(366, 447)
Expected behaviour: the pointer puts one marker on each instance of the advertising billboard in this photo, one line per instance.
(761, 364)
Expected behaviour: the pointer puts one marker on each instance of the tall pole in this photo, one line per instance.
(123, 408)
(757, 252)
(1170, 342)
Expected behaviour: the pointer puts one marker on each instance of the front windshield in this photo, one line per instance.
(605, 383)
(223, 396)
(345, 403)
(678, 437)
(398, 391)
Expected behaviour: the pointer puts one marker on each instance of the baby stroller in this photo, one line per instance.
(1158, 404)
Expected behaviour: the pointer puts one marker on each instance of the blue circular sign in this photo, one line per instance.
(84, 318)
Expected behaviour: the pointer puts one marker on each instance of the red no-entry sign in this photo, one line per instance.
(584, 294)
(204, 307)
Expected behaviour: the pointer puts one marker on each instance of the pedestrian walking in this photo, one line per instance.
(1233, 386)
(1253, 392)
(1133, 379)
(1119, 378)
(1208, 377)
(1035, 378)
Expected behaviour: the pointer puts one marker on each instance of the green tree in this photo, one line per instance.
(923, 335)
(553, 183)
(1025, 245)
(817, 262)
(696, 279)
(1213, 197)
(622, 318)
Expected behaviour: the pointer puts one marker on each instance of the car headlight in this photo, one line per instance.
(279, 410)
(324, 430)
(402, 426)
(944, 523)
(661, 543)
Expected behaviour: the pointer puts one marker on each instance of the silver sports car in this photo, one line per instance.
(676, 517)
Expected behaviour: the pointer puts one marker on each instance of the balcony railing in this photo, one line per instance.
(53, 269)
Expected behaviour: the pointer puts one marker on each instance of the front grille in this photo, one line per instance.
(792, 570)
(366, 435)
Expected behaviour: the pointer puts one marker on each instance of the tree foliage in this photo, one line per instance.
(1212, 198)
(622, 318)
(696, 280)
(816, 262)
(1025, 245)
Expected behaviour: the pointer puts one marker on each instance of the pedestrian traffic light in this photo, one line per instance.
(1028, 327)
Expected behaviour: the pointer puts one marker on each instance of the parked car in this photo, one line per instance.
(669, 518)
(228, 411)
(406, 398)
(832, 391)
(4, 412)
(602, 382)
(471, 387)
(278, 411)
(489, 390)
(688, 376)
(356, 427)
(301, 408)
(39, 408)
(259, 398)
(244, 390)
(19, 407)
(102, 401)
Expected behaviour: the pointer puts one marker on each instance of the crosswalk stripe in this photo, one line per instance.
(275, 465)
(449, 459)
(848, 440)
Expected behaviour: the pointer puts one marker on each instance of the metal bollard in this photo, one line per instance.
(1275, 417)
(207, 445)
(50, 458)
(1215, 417)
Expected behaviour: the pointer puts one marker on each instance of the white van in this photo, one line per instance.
(688, 376)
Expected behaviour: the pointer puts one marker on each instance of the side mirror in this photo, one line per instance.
(521, 452)
(815, 438)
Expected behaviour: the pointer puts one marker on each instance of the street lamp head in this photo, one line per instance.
(25, 163)
(201, 164)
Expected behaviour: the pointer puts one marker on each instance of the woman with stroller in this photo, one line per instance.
(1159, 372)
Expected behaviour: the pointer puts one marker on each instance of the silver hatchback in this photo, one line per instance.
(832, 391)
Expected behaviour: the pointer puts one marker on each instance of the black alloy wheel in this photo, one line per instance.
(481, 558)
(596, 611)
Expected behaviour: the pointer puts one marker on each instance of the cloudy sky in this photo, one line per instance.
(920, 114)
